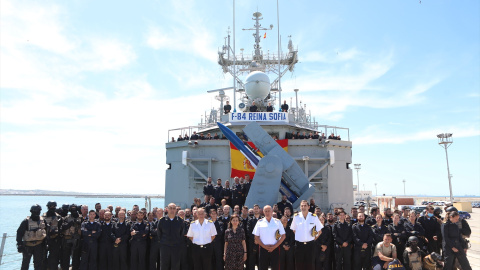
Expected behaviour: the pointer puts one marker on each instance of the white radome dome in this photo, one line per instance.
(257, 85)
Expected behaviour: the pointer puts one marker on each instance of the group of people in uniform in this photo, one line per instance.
(211, 236)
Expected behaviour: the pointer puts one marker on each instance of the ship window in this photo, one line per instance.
(348, 165)
(169, 166)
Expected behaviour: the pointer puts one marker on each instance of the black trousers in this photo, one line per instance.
(433, 246)
(89, 255)
(38, 253)
(71, 247)
(53, 253)
(170, 257)
(120, 257)
(138, 250)
(450, 257)
(105, 255)
(287, 258)
(266, 259)
(361, 258)
(252, 255)
(343, 257)
(304, 255)
(322, 258)
(202, 257)
(154, 258)
(217, 254)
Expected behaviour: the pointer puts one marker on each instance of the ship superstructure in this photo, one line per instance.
(326, 162)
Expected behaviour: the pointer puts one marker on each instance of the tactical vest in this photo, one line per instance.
(76, 229)
(53, 223)
(35, 230)
(415, 259)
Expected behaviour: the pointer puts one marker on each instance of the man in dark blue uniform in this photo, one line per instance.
(218, 191)
(105, 243)
(432, 229)
(208, 189)
(283, 204)
(218, 242)
(343, 236)
(121, 233)
(171, 233)
(139, 232)
(363, 239)
(237, 193)
(252, 251)
(91, 231)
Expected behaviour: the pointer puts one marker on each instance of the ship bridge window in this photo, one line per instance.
(348, 165)
(288, 135)
(169, 166)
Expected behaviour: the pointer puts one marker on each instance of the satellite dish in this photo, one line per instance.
(241, 105)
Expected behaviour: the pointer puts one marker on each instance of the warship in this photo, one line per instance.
(307, 168)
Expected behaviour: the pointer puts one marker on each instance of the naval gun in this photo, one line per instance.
(277, 170)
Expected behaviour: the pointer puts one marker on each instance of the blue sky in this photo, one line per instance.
(89, 89)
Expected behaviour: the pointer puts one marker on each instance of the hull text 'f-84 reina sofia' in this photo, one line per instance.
(258, 132)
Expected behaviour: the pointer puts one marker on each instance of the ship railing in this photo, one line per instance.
(187, 130)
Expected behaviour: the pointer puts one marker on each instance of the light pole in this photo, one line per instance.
(445, 140)
(358, 167)
(404, 187)
(376, 193)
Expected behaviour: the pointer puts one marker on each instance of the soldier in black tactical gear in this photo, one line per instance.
(64, 210)
(30, 238)
(412, 256)
(53, 240)
(71, 245)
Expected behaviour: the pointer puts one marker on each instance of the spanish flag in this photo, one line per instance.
(265, 35)
(241, 165)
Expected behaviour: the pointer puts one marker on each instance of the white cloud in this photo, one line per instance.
(379, 135)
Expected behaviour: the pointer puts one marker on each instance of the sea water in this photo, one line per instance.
(14, 209)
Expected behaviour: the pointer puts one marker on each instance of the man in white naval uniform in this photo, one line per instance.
(269, 235)
(307, 228)
(201, 233)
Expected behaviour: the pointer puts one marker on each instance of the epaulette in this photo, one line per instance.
(210, 221)
(314, 215)
(193, 221)
(296, 214)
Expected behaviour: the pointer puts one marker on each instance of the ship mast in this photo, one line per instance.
(277, 64)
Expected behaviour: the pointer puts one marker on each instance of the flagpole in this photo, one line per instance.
(234, 64)
(279, 85)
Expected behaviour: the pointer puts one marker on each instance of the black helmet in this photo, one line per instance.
(36, 208)
(72, 206)
(65, 206)
(412, 239)
(451, 209)
(51, 203)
